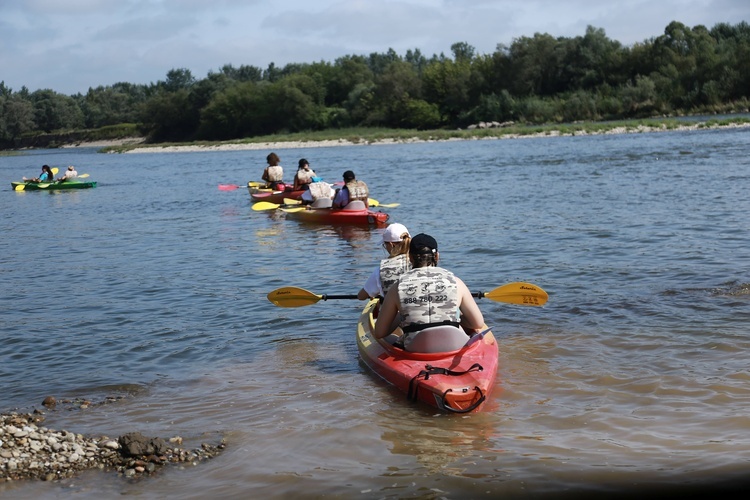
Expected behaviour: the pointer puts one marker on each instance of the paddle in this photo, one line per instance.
(291, 296)
(376, 203)
(232, 187)
(518, 293)
(266, 205)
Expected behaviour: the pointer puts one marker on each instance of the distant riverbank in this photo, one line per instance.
(380, 137)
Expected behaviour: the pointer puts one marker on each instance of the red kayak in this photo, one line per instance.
(276, 196)
(335, 216)
(457, 381)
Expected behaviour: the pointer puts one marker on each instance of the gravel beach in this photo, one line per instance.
(30, 451)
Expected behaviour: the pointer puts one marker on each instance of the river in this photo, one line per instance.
(152, 287)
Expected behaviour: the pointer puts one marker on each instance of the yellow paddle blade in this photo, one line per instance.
(55, 170)
(519, 293)
(19, 187)
(289, 201)
(265, 205)
(375, 203)
(291, 296)
(83, 176)
(292, 210)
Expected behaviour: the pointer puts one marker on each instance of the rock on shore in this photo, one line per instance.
(31, 451)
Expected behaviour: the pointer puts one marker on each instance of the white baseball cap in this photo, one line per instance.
(392, 233)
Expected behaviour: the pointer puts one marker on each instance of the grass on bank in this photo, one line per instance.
(374, 135)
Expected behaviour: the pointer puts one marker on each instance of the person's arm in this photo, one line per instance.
(387, 314)
(297, 186)
(471, 316)
(341, 199)
(265, 174)
(372, 286)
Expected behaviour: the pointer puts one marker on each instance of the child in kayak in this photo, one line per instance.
(396, 239)
(45, 176)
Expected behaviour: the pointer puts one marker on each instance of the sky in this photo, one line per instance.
(70, 46)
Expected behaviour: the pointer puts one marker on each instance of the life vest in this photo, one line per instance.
(320, 190)
(274, 173)
(428, 296)
(357, 191)
(304, 176)
(391, 270)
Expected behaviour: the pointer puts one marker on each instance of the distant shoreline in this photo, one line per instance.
(280, 145)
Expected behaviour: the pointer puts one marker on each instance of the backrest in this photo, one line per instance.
(322, 203)
(436, 339)
(356, 205)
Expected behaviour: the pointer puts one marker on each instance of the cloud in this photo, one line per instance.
(73, 45)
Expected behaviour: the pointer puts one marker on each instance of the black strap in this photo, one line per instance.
(415, 327)
(436, 370)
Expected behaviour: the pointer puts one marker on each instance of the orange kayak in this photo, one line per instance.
(457, 381)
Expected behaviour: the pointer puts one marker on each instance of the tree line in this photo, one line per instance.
(534, 80)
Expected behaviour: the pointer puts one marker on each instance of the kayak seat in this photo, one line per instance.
(322, 203)
(355, 205)
(442, 338)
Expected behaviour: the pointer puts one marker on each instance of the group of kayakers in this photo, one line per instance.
(418, 296)
(317, 193)
(48, 176)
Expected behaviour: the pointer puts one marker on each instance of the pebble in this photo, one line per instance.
(28, 451)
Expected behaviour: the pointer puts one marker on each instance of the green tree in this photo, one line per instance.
(53, 111)
(169, 116)
(16, 117)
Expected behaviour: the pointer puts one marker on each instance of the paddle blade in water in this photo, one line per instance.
(265, 205)
(291, 296)
(19, 187)
(227, 187)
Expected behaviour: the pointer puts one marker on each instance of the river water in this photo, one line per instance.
(633, 378)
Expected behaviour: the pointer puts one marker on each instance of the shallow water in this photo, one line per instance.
(633, 377)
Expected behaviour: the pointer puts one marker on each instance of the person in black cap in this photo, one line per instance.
(304, 176)
(427, 296)
(353, 190)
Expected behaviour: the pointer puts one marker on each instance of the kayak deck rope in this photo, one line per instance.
(436, 370)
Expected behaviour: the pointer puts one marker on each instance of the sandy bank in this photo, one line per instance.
(269, 146)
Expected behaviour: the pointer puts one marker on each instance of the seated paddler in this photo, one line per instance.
(435, 306)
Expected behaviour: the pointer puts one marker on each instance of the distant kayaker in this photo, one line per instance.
(304, 176)
(353, 190)
(396, 240)
(273, 173)
(45, 176)
(70, 173)
(427, 296)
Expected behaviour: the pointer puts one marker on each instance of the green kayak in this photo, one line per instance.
(52, 186)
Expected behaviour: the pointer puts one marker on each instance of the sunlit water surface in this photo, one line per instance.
(634, 376)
